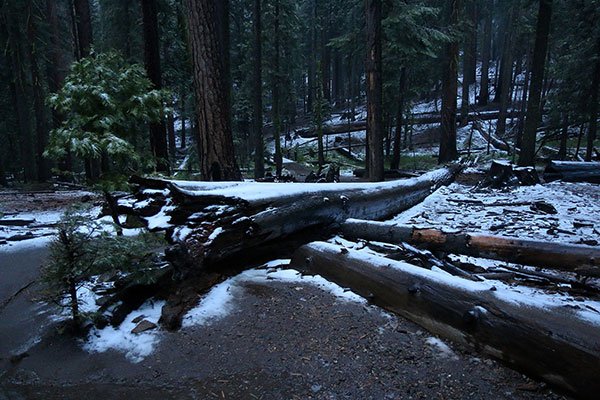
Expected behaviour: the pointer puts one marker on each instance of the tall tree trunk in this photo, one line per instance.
(506, 76)
(83, 22)
(55, 74)
(211, 71)
(534, 112)
(395, 163)
(41, 126)
(374, 92)
(276, 96)
(485, 54)
(16, 55)
(564, 137)
(171, 136)
(593, 108)
(183, 120)
(473, 14)
(448, 151)
(257, 107)
(468, 60)
(158, 139)
(312, 62)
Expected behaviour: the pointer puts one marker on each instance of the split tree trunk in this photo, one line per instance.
(554, 344)
(580, 259)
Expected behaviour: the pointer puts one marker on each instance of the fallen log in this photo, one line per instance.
(581, 259)
(216, 221)
(493, 140)
(573, 171)
(361, 125)
(388, 173)
(552, 341)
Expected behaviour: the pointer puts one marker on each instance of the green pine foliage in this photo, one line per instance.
(106, 103)
(83, 248)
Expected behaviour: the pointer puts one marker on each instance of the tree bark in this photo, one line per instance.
(395, 163)
(505, 77)
(534, 113)
(374, 92)
(448, 151)
(83, 24)
(158, 137)
(593, 108)
(485, 54)
(468, 57)
(551, 342)
(16, 54)
(41, 125)
(276, 96)
(257, 107)
(211, 71)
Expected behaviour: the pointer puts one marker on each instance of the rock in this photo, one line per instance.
(143, 326)
(544, 207)
(138, 318)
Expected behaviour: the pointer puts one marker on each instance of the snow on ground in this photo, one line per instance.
(136, 346)
(220, 301)
(508, 212)
(441, 348)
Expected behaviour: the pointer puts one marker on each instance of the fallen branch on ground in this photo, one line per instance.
(584, 260)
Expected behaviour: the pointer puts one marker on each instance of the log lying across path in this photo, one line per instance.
(581, 259)
(571, 171)
(213, 222)
(554, 342)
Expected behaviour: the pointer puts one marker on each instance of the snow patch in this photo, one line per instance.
(441, 349)
(135, 346)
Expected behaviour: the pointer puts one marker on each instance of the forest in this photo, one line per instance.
(108, 88)
(299, 199)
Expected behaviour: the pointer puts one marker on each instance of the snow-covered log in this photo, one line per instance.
(581, 259)
(534, 333)
(572, 171)
(211, 222)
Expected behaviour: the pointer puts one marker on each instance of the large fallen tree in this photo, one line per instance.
(426, 119)
(210, 223)
(572, 171)
(581, 259)
(552, 341)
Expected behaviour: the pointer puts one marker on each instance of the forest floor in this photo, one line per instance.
(267, 333)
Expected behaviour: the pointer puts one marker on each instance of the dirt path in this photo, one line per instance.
(283, 340)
